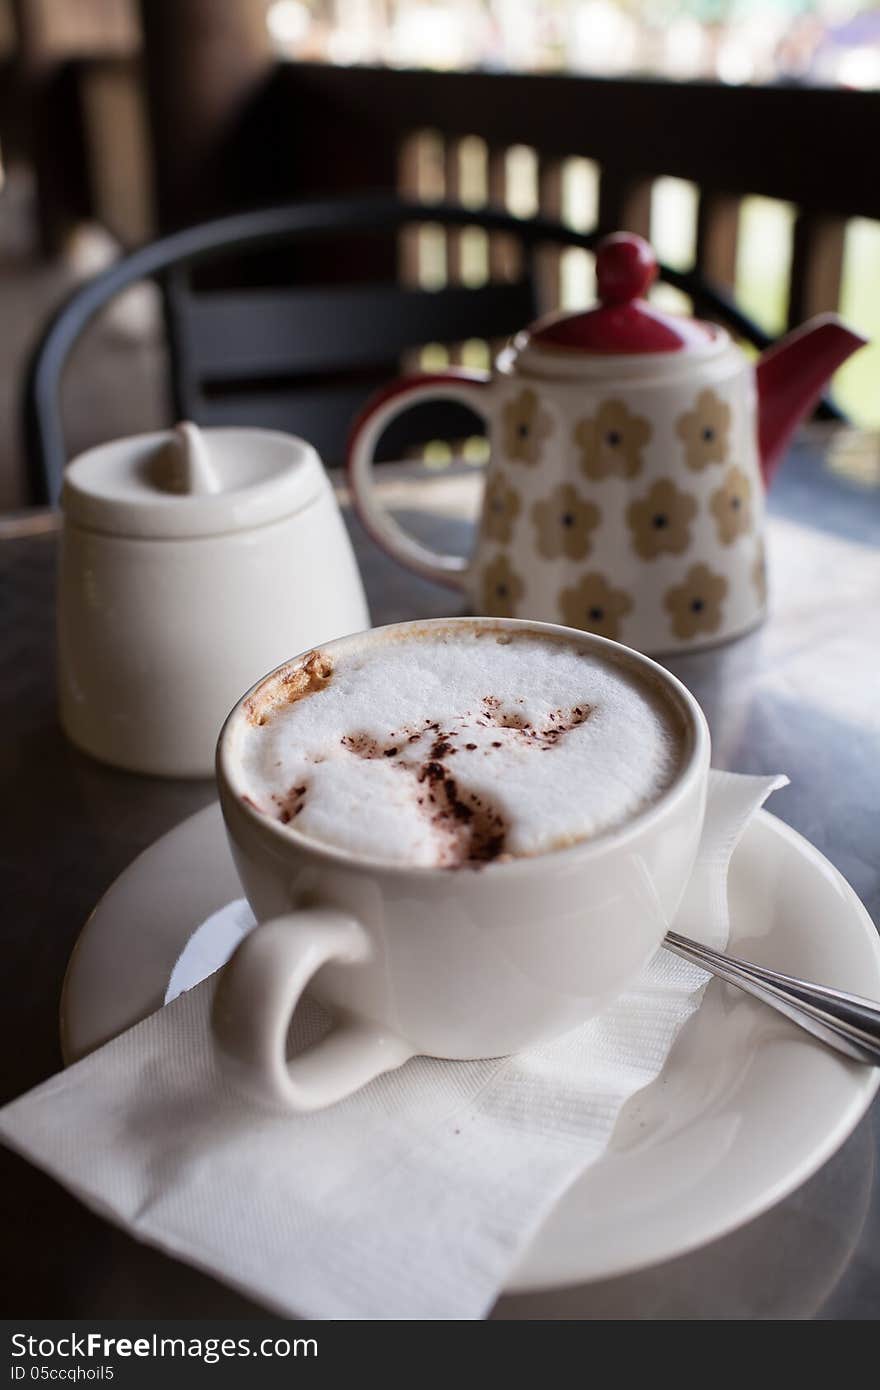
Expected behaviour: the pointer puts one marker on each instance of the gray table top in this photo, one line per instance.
(801, 695)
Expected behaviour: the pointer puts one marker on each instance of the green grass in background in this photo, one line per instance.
(763, 260)
(857, 385)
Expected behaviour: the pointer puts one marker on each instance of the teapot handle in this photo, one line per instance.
(465, 388)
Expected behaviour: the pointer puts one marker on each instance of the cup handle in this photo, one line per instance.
(466, 388)
(256, 995)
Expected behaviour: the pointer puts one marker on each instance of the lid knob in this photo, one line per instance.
(626, 267)
(183, 465)
(624, 322)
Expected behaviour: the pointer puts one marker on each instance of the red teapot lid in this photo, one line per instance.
(623, 321)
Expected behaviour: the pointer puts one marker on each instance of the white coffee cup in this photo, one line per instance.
(447, 963)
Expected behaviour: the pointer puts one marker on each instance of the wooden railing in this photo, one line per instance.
(591, 150)
(451, 135)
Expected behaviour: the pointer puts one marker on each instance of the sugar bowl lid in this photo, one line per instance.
(190, 482)
(624, 323)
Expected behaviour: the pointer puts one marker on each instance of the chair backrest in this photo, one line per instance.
(304, 357)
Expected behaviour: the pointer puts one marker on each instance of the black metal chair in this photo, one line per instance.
(305, 357)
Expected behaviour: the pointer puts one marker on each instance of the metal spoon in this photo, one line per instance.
(843, 1021)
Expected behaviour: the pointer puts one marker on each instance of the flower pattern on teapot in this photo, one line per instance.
(594, 605)
(611, 441)
(633, 519)
(501, 588)
(500, 509)
(704, 431)
(695, 605)
(563, 522)
(660, 522)
(731, 506)
(526, 426)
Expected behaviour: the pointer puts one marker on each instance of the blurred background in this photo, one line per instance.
(737, 134)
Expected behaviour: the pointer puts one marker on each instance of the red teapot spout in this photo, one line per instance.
(791, 376)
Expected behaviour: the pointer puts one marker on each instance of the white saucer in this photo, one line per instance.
(746, 1108)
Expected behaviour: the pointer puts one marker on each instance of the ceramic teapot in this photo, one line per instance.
(192, 562)
(630, 450)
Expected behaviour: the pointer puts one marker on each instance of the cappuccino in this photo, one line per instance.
(457, 745)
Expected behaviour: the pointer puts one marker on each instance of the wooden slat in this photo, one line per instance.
(409, 186)
(250, 333)
(816, 266)
(323, 411)
(717, 237)
(452, 183)
(624, 202)
(548, 261)
(453, 195)
(505, 255)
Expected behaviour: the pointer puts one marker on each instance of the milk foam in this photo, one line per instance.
(457, 747)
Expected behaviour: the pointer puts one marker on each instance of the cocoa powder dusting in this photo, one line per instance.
(474, 830)
(290, 805)
(362, 745)
(479, 830)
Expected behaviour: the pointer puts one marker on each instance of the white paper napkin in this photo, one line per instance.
(412, 1199)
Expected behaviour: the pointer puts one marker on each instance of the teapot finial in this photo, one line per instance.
(626, 267)
(624, 322)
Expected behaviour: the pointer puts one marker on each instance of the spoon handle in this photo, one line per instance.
(845, 1022)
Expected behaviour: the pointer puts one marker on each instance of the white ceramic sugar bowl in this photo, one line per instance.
(191, 563)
